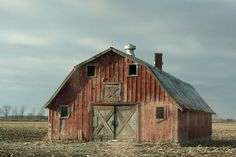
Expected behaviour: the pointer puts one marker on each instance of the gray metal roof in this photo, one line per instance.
(182, 93)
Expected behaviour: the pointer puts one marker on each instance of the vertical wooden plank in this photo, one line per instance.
(154, 92)
(190, 123)
(134, 91)
(158, 91)
(125, 79)
(162, 95)
(199, 125)
(153, 124)
(106, 73)
(90, 90)
(171, 123)
(85, 122)
(51, 125)
(120, 77)
(138, 89)
(139, 122)
(80, 115)
(129, 88)
(176, 118)
(152, 89)
(147, 86)
(97, 85)
(168, 124)
(150, 115)
(188, 126)
(115, 68)
(118, 69)
(129, 84)
(111, 76)
(143, 96)
(146, 123)
(88, 106)
(83, 106)
(103, 79)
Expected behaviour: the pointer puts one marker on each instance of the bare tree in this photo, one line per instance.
(15, 112)
(1, 112)
(41, 112)
(31, 115)
(22, 111)
(6, 110)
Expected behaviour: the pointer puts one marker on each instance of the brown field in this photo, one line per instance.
(28, 139)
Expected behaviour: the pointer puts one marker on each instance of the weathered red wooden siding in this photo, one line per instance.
(81, 91)
(192, 125)
(153, 130)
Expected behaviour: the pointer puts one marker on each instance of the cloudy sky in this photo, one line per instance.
(41, 41)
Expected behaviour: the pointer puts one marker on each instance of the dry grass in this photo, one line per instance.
(25, 139)
(25, 124)
(15, 131)
(224, 130)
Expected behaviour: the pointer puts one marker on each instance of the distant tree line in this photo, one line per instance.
(7, 112)
(217, 119)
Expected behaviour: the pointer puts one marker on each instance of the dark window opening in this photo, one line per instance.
(64, 111)
(133, 69)
(160, 112)
(91, 70)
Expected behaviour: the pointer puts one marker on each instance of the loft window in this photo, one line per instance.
(91, 70)
(64, 111)
(160, 113)
(133, 69)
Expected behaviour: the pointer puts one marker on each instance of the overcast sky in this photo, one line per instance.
(41, 41)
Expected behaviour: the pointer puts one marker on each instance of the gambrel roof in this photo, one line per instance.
(182, 93)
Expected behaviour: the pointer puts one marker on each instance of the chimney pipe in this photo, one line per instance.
(158, 60)
(130, 49)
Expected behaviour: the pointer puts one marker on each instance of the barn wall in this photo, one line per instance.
(192, 125)
(154, 130)
(182, 125)
(81, 91)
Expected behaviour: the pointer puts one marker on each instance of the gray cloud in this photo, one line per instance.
(41, 41)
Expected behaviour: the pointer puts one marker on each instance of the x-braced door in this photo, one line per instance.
(103, 128)
(115, 122)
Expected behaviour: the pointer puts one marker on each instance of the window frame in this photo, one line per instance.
(131, 75)
(68, 111)
(89, 65)
(164, 114)
(104, 88)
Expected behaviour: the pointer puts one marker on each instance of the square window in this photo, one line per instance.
(64, 111)
(133, 69)
(111, 92)
(91, 70)
(160, 113)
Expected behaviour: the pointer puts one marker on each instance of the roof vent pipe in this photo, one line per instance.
(129, 49)
(158, 60)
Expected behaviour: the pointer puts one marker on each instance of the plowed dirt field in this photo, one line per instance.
(28, 139)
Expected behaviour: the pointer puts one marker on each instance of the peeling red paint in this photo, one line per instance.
(80, 92)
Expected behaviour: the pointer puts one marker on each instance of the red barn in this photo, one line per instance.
(115, 95)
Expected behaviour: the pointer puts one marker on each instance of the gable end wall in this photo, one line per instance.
(80, 92)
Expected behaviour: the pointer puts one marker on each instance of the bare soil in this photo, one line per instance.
(29, 140)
